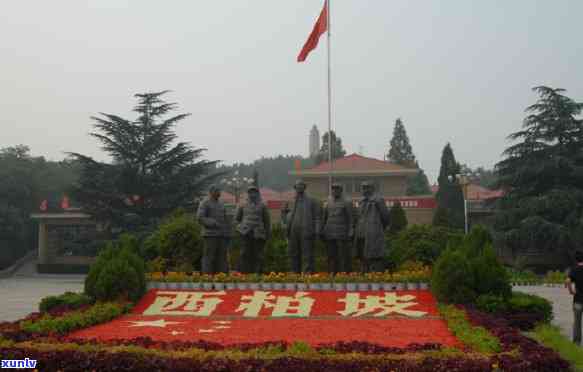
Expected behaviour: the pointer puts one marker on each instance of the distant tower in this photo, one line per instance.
(314, 141)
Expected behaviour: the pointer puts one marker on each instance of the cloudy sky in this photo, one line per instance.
(456, 70)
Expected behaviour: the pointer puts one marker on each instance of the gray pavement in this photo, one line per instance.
(562, 304)
(21, 293)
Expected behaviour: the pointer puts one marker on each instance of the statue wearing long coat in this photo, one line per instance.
(373, 218)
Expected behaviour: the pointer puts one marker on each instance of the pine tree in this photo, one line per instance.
(398, 219)
(400, 151)
(418, 184)
(543, 176)
(150, 175)
(450, 199)
(337, 149)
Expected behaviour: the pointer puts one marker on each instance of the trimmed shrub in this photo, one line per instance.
(528, 303)
(422, 243)
(68, 300)
(398, 219)
(465, 271)
(452, 278)
(117, 280)
(489, 276)
(521, 310)
(276, 255)
(118, 272)
(177, 239)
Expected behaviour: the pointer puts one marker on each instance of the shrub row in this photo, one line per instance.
(521, 310)
(64, 302)
(60, 325)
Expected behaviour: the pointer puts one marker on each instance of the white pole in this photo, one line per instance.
(466, 215)
(330, 160)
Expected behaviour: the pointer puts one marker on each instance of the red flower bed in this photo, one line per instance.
(388, 332)
(326, 317)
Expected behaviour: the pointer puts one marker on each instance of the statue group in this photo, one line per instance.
(347, 234)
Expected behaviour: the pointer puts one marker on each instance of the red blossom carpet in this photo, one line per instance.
(317, 317)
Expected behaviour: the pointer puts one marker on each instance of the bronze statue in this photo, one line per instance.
(212, 216)
(255, 228)
(303, 226)
(337, 231)
(373, 219)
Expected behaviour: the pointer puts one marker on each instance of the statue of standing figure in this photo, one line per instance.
(255, 228)
(303, 227)
(212, 216)
(373, 219)
(338, 231)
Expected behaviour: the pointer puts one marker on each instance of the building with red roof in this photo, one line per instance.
(390, 182)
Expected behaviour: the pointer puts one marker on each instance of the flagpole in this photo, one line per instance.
(330, 160)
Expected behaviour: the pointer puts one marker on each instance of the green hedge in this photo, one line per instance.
(61, 325)
(70, 300)
(518, 303)
(117, 273)
(469, 269)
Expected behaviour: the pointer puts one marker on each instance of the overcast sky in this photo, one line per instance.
(456, 70)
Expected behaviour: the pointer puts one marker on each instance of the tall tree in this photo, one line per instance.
(398, 219)
(337, 149)
(150, 175)
(400, 151)
(450, 198)
(543, 176)
(418, 184)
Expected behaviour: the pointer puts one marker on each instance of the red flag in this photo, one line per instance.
(319, 28)
(65, 202)
(44, 205)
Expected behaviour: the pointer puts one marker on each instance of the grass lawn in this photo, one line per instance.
(551, 337)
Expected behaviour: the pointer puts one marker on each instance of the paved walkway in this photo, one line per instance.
(562, 304)
(21, 293)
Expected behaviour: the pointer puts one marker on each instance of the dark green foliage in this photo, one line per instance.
(452, 278)
(117, 279)
(469, 269)
(61, 325)
(150, 175)
(400, 151)
(69, 300)
(517, 303)
(276, 255)
(418, 184)
(489, 276)
(522, 302)
(177, 239)
(117, 273)
(398, 219)
(25, 181)
(450, 198)
(337, 149)
(543, 173)
(422, 243)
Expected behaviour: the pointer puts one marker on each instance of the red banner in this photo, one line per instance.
(413, 203)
